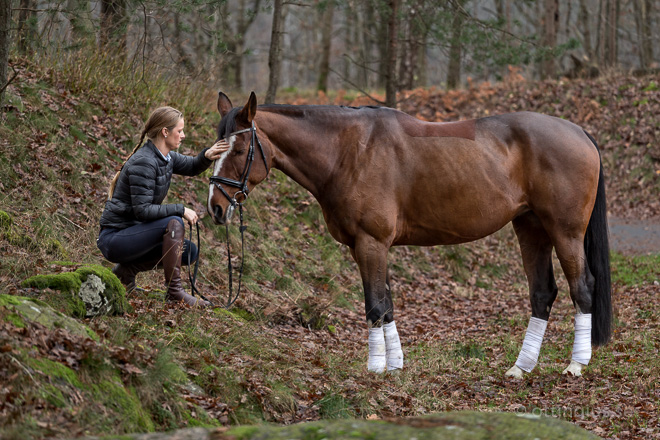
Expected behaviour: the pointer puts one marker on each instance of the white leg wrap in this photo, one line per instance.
(393, 347)
(529, 354)
(582, 342)
(377, 360)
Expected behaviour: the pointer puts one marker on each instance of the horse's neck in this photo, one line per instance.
(299, 152)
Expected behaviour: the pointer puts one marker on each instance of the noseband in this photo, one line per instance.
(242, 184)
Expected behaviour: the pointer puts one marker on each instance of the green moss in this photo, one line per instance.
(15, 319)
(69, 284)
(54, 247)
(6, 222)
(64, 282)
(127, 414)
(53, 395)
(55, 370)
(33, 310)
(117, 291)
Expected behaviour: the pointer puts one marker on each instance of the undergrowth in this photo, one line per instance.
(294, 346)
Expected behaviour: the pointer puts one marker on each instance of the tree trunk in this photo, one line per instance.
(455, 50)
(644, 23)
(584, 24)
(393, 29)
(113, 25)
(274, 55)
(550, 26)
(326, 42)
(27, 26)
(5, 43)
(611, 28)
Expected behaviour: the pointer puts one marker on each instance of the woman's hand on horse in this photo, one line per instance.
(190, 216)
(217, 149)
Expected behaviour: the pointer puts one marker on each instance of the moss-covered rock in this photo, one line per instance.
(32, 310)
(91, 290)
(464, 425)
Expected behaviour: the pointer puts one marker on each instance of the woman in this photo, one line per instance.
(137, 231)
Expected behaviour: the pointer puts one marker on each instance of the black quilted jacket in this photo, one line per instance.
(143, 184)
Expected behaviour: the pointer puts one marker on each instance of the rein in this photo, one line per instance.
(242, 192)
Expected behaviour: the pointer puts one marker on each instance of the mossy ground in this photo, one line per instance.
(294, 348)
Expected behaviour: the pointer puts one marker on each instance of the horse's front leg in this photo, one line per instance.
(384, 343)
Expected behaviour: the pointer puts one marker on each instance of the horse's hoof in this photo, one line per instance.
(377, 365)
(514, 372)
(574, 369)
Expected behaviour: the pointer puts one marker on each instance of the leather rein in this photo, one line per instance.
(243, 191)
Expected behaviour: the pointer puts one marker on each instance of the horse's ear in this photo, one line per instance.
(224, 104)
(250, 110)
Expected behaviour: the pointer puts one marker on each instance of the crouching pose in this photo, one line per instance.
(138, 232)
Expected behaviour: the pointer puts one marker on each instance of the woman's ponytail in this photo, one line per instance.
(162, 117)
(113, 183)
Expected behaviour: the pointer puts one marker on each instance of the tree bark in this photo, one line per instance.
(455, 52)
(392, 37)
(644, 25)
(584, 24)
(326, 44)
(611, 41)
(274, 55)
(550, 26)
(5, 43)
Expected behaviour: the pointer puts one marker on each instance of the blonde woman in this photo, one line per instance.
(140, 233)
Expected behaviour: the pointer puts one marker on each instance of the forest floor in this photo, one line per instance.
(294, 348)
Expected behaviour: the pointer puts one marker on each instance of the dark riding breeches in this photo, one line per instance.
(141, 243)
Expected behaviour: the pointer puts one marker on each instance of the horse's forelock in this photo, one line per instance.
(228, 123)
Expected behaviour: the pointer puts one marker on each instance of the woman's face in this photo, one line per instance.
(175, 136)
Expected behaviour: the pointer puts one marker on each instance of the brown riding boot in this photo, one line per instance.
(172, 249)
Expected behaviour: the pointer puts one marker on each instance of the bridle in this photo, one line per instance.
(242, 192)
(242, 184)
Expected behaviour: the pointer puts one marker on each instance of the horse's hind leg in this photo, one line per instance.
(536, 250)
(384, 343)
(571, 255)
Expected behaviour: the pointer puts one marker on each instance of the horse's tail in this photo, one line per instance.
(597, 250)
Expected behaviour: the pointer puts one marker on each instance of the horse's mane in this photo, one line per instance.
(302, 111)
(228, 123)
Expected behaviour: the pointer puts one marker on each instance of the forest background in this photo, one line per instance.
(79, 78)
(390, 45)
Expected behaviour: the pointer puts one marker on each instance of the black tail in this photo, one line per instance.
(597, 249)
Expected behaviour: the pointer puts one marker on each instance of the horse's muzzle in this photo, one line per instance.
(218, 217)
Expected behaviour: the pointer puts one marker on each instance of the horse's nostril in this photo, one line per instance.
(217, 213)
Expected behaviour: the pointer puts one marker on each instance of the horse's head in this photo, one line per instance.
(236, 172)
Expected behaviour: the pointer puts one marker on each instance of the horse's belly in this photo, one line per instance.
(457, 220)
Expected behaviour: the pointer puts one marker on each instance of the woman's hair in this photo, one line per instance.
(162, 117)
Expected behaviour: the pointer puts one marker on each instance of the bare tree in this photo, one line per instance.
(455, 51)
(275, 55)
(644, 34)
(392, 39)
(607, 32)
(326, 42)
(5, 43)
(550, 27)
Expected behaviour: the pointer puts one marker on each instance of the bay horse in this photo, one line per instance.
(384, 178)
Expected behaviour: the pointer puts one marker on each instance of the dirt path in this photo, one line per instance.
(634, 237)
